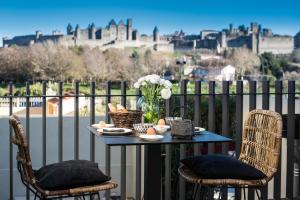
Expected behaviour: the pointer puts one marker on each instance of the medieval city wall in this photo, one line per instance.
(276, 45)
(239, 42)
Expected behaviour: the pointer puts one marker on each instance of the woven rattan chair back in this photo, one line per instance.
(261, 141)
(23, 156)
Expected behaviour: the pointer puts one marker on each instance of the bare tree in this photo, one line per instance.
(244, 61)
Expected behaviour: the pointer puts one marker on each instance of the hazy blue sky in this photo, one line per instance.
(18, 17)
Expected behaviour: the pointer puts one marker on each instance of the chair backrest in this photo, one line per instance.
(261, 141)
(23, 157)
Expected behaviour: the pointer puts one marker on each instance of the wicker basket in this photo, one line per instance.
(126, 119)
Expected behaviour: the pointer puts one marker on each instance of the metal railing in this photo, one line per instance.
(185, 100)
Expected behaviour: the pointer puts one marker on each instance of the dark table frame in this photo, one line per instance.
(153, 161)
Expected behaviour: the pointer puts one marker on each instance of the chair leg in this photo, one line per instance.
(244, 193)
(35, 196)
(258, 196)
(195, 191)
(202, 192)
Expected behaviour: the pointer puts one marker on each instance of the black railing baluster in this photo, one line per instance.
(265, 105)
(252, 96)
(44, 123)
(225, 114)
(28, 124)
(252, 106)
(211, 112)
(92, 120)
(265, 95)
(290, 140)
(108, 100)
(11, 163)
(123, 93)
(197, 112)
(76, 120)
(168, 148)
(183, 96)
(60, 121)
(278, 108)
(123, 148)
(107, 120)
(138, 161)
(225, 123)
(238, 126)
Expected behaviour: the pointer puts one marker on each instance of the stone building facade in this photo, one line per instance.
(121, 35)
(255, 38)
(116, 35)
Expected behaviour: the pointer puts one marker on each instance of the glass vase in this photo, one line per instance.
(151, 111)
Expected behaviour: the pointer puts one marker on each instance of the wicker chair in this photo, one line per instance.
(261, 144)
(27, 174)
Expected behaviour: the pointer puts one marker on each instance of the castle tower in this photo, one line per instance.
(4, 42)
(77, 31)
(230, 29)
(155, 34)
(129, 29)
(113, 29)
(92, 32)
(254, 27)
(135, 35)
(121, 31)
(297, 41)
(255, 43)
(69, 29)
(38, 34)
(223, 41)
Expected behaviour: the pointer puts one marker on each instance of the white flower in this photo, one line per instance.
(141, 79)
(154, 79)
(165, 93)
(162, 82)
(136, 85)
(167, 84)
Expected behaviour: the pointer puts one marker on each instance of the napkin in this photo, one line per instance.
(114, 130)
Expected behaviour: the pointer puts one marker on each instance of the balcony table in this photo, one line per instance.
(153, 161)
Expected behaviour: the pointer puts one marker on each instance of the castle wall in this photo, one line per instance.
(122, 33)
(164, 47)
(276, 45)
(19, 40)
(239, 42)
(84, 34)
(113, 32)
(297, 41)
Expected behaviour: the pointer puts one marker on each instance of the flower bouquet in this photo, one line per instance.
(153, 89)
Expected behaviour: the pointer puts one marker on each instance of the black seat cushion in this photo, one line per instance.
(69, 174)
(222, 167)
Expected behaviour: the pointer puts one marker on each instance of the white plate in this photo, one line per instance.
(106, 126)
(125, 132)
(151, 137)
(163, 126)
(199, 129)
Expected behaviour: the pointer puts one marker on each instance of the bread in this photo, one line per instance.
(112, 108)
(151, 131)
(121, 108)
(102, 124)
(161, 122)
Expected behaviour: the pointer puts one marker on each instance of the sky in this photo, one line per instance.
(21, 17)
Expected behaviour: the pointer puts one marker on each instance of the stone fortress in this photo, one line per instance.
(121, 35)
(114, 35)
(255, 38)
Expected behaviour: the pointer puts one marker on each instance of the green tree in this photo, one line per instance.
(271, 65)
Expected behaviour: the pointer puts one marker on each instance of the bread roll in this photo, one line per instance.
(112, 108)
